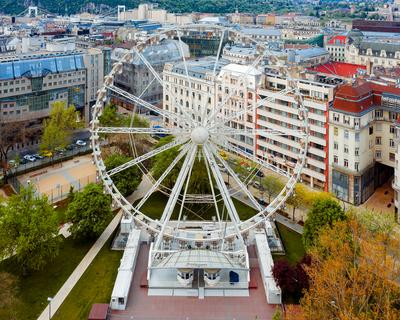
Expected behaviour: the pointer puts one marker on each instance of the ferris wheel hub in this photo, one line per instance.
(199, 135)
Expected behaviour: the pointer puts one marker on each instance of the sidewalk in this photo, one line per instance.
(80, 269)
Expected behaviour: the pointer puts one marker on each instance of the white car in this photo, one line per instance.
(80, 143)
(30, 158)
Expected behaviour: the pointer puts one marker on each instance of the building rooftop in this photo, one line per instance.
(338, 40)
(341, 69)
(266, 32)
(39, 67)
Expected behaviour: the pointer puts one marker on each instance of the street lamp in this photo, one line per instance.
(49, 299)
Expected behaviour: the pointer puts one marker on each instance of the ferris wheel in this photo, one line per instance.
(204, 132)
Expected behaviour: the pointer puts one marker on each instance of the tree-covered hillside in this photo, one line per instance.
(178, 6)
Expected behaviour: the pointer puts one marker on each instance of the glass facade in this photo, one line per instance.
(39, 67)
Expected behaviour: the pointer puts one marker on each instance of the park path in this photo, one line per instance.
(80, 269)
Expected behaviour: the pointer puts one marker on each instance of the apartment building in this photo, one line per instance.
(336, 47)
(362, 151)
(282, 114)
(30, 84)
(137, 79)
(232, 80)
(382, 50)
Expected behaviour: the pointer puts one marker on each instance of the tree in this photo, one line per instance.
(299, 198)
(128, 180)
(57, 129)
(10, 135)
(354, 274)
(90, 211)
(112, 118)
(324, 212)
(272, 186)
(162, 160)
(277, 314)
(9, 303)
(28, 230)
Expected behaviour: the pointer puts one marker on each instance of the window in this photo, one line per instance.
(378, 154)
(356, 164)
(336, 117)
(392, 156)
(335, 159)
(335, 146)
(378, 140)
(378, 114)
(357, 151)
(346, 149)
(357, 136)
(392, 129)
(335, 131)
(391, 143)
(346, 163)
(346, 134)
(371, 130)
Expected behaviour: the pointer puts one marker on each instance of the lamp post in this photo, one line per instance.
(49, 299)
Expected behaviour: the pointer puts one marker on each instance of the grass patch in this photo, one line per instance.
(95, 286)
(34, 289)
(292, 243)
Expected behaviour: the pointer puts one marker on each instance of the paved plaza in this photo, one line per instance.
(141, 306)
(55, 181)
(381, 200)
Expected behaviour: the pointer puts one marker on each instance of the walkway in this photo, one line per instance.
(80, 269)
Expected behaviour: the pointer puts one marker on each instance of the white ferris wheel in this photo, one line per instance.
(200, 134)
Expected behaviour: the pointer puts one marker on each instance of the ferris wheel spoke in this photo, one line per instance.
(231, 209)
(221, 41)
(131, 97)
(236, 178)
(162, 83)
(237, 115)
(217, 110)
(172, 200)
(155, 186)
(178, 141)
(213, 192)
(227, 131)
(134, 130)
(231, 148)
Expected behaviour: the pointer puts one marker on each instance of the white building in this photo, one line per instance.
(362, 152)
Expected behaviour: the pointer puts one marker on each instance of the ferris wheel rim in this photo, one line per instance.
(244, 226)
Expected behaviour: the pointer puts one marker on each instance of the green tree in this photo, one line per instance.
(323, 213)
(90, 211)
(162, 160)
(28, 230)
(128, 180)
(272, 186)
(300, 198)
(112, 118)
(57, 129)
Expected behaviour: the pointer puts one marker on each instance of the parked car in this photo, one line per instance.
(261, 201)
(38, 156)
(258, 185)
(222, 167)
(12, 163)
(47, 153)
(80, 143)
(60, 150)
(30, 158)
(260, 174)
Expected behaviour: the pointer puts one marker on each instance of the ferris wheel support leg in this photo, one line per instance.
(169, 208)
(231, 209)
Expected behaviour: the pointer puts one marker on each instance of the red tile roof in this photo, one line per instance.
(360, 96)
(336, 39)
(341, 69)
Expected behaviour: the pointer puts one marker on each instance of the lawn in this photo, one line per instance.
(95, 286)
(34, 289)
(293, 244)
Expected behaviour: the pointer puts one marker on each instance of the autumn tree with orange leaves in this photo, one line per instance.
(355, 272)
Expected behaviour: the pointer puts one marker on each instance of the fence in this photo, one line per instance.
(61, 191)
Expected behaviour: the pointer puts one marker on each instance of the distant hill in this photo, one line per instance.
(178, 6)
